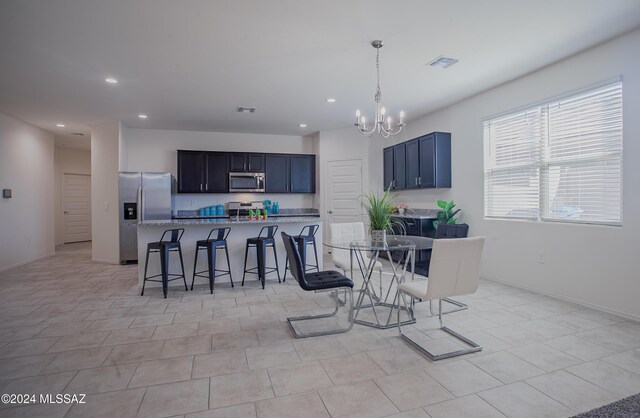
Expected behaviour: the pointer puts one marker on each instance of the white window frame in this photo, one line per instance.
(544, 161)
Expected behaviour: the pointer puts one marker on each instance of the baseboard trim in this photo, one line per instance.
(566, 299)
(22, 263)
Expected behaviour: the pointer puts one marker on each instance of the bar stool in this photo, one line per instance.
(164, 247)
(212, 245)
(306, 237)
(265, 239)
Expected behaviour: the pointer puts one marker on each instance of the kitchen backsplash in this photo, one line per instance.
(282, 212)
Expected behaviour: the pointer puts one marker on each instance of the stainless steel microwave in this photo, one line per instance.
(246, 182)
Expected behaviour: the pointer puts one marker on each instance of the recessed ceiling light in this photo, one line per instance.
(111, 80)
(246, 109)
(142, 116)
(60, 125)
(442, 62)
(303, 125)
(330, 100)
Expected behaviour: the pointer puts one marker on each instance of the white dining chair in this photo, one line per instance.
(349, 232)
(454, 271)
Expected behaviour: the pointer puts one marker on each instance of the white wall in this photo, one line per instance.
(26, 167)
(105, 161)
(66, 161)
(593, 265)
(155, 150)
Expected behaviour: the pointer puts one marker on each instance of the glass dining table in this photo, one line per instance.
(379, 310)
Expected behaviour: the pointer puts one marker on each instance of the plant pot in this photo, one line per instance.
(378, 235)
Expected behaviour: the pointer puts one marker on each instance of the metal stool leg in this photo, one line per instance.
(226, 251)
(184, 276)
(211, 261)
(315, 251)
(146, 264)
(275, 256)
(244, 273)
(195, 264)
(164, 267)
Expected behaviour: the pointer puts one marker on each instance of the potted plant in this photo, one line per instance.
(379, 208)
(446, 214)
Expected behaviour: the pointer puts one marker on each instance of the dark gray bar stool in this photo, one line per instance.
(306, 237)
(164, 247)
(212, 245)
(265, 239)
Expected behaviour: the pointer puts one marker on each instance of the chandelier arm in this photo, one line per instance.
(365, 132)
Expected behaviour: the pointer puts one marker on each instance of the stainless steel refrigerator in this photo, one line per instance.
(143, 196)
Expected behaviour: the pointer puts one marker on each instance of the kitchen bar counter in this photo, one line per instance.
(230, 221)
(198, 229)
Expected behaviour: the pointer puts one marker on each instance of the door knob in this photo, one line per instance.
(66, 212)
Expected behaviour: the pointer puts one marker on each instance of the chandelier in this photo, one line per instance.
(384, 127)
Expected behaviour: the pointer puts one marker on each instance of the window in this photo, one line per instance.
(559, 161)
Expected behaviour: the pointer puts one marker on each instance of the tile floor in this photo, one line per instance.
(69, 325)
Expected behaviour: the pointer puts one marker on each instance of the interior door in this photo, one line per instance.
(343, 189)
(76, 203)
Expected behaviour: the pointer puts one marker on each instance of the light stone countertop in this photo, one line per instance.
(230, 221)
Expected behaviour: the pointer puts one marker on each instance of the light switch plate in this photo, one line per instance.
(6, 193)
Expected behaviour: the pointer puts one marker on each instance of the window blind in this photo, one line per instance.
(512, 165)
(561, 161)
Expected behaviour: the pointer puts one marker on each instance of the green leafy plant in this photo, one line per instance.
(379, 208)
(447, 214)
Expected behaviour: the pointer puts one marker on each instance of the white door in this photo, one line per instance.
(76, 204)
(343, 191)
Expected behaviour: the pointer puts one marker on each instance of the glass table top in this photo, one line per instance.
(393, 242)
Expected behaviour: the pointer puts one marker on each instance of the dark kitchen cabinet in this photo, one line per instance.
(217, 172)
(246, 162)
(435, 160)
(276, 173)
(423, 162)
(303, 173)
(208, 171)
(412, 168)
(388, 167)
(191, 171)
(399, 167)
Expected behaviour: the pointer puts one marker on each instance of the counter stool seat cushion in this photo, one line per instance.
(159, 244)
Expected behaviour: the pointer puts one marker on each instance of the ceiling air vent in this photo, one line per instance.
(442, 62)
(77, 134)
(246, 109)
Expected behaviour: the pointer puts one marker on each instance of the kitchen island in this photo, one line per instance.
(241, 229)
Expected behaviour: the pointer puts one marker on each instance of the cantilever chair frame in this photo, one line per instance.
(441, 234)
(298, 273)
(473, 347)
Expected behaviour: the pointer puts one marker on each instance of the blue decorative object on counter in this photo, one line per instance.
(207, 211)
(203, 211)
(275, 207)
(220, 210)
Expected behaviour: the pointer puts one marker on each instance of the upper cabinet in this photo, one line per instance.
(246, 162)
(203, 172)
(290, 173)
(216, 175)
(423, 162)
(303, 174)
(191, 171)
(276, 174)
(208, 171)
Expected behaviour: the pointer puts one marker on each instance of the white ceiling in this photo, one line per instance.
(188, 64)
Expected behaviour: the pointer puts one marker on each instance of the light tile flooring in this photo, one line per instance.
(69, 325)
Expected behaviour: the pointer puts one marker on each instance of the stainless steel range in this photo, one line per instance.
(242, 208)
